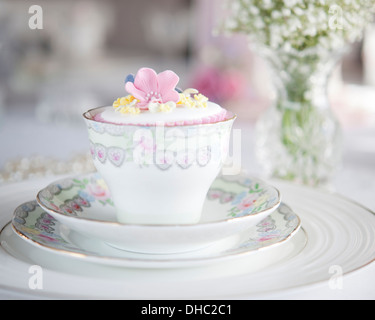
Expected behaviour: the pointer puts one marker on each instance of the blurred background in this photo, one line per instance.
(80, 57)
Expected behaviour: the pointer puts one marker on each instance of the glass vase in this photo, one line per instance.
(298, 138)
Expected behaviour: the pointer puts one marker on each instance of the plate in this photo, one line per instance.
(33, 224)
(233, 204)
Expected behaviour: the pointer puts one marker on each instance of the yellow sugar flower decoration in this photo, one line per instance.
(200, 100)
(166, 107)
(183, 99)
(126, 105)
(186, 101)
(162, 107)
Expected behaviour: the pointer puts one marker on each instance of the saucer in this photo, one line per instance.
(233, 204)
(31, 223)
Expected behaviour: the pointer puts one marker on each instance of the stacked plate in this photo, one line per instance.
(76, 217)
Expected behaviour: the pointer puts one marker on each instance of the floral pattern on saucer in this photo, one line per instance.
(245, 198)
(30, 221)
(268, 231)
(71, 196)
(75, 196)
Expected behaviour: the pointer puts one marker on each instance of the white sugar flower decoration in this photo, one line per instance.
(161, 107)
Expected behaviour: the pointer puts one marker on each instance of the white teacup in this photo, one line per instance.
(158, 174)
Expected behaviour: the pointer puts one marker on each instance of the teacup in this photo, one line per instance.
(158, 174)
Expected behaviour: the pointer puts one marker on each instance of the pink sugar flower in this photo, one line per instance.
(151, 87)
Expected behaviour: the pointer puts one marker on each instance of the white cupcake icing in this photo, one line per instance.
(180, 116)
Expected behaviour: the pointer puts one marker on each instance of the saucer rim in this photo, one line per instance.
(159, 226)
(162, 263)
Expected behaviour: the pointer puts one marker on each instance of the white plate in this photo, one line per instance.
(233, 204)
(33, 224)
(341, 246)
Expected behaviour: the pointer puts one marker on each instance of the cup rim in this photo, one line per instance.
(232, 117)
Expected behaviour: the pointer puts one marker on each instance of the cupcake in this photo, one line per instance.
(154, 98)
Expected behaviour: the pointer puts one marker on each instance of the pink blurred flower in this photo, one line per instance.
(219, 85)
(151, 87)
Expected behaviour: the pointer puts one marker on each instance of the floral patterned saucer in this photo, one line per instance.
(84, 204)
(31, 223)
